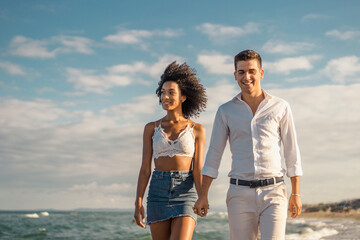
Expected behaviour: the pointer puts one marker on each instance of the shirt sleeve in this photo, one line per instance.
(218, 140)
(291, 148)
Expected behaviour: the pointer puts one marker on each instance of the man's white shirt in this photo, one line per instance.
(255, 140)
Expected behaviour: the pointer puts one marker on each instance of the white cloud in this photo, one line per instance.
(219, 33)
(129, 36)
(26, 47)
(146, 104)
(29, 115)
(222, 92)
(74, 44)
(49, 48)
(303, 78)
(343, 35)
(12, 68)
(45, 89)
(343, 70)
(118, 75)
(94, 187)
(217, 63)
(139, 37)
(154, 70)
(286, 48)
(287, 65)
(89, 81)
(313, 16)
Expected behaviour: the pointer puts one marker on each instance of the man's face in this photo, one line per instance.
(248, 74)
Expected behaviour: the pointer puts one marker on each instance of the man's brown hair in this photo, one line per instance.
(247, 55)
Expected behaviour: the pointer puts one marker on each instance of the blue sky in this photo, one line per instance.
(78, 80)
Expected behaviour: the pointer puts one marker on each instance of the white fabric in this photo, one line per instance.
(254, 210)
(255, 140)
(184, 145)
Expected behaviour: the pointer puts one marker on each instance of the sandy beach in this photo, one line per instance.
(352, 215)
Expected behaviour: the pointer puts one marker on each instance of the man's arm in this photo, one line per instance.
(295, 204)
(292, 160)
(202, 204)
(291, 148)
(209, 172)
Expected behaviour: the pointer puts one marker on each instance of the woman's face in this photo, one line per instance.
(171, 97)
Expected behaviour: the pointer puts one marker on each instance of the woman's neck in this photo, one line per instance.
(174, 116)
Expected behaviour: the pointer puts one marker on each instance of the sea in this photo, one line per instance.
(97, 225)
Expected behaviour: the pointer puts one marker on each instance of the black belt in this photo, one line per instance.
(256, 183)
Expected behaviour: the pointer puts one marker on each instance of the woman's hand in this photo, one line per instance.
(139, 215)
(201, 207)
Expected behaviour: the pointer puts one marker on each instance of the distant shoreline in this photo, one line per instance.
(351, 215)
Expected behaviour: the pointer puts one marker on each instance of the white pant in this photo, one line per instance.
(254, 209)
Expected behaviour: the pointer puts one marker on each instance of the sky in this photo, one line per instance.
(78, 80)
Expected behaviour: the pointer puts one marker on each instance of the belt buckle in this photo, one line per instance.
(252, 184)
(264, 182)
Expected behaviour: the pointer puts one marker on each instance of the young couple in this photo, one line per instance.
(256, 125)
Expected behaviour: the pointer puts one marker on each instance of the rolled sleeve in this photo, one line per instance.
(291, 148)
(218, 140)
(209, 171)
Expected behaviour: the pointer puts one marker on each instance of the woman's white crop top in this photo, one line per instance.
(184, 145)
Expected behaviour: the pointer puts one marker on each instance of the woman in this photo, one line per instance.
(177, 145)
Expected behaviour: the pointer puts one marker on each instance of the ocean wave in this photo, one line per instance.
(45, 214)
(309, 233)
(221, 215)
(32, 215)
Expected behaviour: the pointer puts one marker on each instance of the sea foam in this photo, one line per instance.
(308, 233)
(45, 214)
(32, 215)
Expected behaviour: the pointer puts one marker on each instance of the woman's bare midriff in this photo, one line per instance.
(176, 163)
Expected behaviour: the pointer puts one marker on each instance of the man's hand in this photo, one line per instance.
(201, 206)
(295, 206)
(139, 216)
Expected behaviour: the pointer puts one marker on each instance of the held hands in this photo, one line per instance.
(295, 205)
(201, 206)
(139, 215)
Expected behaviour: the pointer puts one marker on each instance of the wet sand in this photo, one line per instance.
(352, 215)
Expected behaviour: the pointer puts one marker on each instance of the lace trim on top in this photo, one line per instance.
(183, 145)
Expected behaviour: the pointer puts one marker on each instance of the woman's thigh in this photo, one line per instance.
(182, 228)
(161, 230)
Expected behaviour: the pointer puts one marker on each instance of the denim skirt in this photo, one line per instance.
(171, 194)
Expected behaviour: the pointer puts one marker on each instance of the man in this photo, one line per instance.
(256, 125)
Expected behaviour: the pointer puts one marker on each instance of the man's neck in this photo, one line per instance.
(253, 97)
(253, 100)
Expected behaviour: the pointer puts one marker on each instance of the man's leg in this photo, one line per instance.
(273, 218)
(243, 217)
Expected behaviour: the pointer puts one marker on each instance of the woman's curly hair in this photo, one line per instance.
(189, 85)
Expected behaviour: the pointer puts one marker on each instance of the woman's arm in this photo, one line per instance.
(144, 174)
(200, 137)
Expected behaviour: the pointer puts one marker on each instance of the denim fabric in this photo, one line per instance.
(171, 194)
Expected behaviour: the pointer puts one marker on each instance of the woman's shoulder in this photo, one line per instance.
(150, 126)
(198, 128)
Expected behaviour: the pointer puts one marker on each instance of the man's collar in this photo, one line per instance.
(266, 95)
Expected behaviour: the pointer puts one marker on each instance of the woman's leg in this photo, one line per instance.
(161, 230)
(182, 228)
